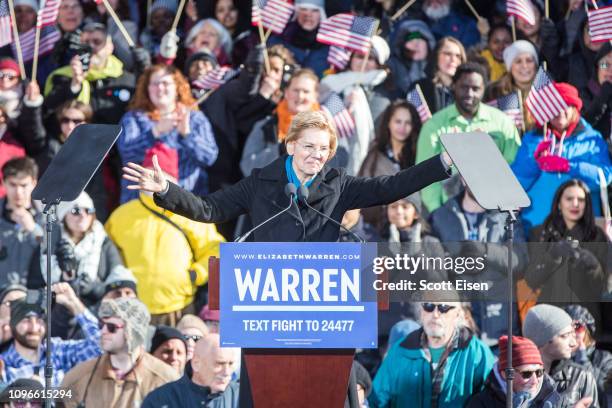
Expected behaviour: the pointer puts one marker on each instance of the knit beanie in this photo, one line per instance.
(516, 48)
(580, 314)
(167, 158)
(524, 352)
(11, 287)
(380, 49)
(190, 321)
(30, 3)
(135, 316)
(82, 201)
(569, 93)
(170, 5)
(312, 4)
(200, 56)
(163, 334)
(120, 277)
(415, 200)
(9, 64)
(20, 309)
(543, 322)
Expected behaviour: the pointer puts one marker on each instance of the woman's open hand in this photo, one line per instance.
(148, 180)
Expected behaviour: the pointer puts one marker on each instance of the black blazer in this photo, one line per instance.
(333, 192)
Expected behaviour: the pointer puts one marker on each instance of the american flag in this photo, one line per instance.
(345, 125)
(48, 37)
(522, 9)
(274, 14)
(6, 34)
(510, 105)
(48, 14)
(544, 101)
(347, 31)
(338, 57)
(215, 78)
(600, 24)
(421, 105)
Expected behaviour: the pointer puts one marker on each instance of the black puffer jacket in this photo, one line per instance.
(573, 383)
(494, 395)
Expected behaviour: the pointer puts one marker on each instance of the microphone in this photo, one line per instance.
(291, 192)
(303, 194)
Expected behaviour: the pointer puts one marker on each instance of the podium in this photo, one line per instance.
(293, 377)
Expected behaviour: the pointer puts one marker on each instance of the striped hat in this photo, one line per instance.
(524, 352)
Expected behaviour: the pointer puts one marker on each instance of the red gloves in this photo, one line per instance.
(548, 162)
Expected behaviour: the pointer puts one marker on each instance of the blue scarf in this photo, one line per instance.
(292, 177)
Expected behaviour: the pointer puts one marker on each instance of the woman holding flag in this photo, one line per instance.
(570, 148)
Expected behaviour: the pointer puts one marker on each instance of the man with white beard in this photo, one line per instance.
(442, 364)
(444, 21)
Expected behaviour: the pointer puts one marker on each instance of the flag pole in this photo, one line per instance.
(37, 38)
(520, 100)
(262, 39)
(546, 9)
(115, 18)
(17, 41)
(401, 10)
(472, 9)
(512, 18)
(177, 17)
(420, 92)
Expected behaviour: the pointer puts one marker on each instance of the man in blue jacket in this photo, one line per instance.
(207, 381)
(440, 365)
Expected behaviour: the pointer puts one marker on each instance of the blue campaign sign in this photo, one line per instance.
(297, 295)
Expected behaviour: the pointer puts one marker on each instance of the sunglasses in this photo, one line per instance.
(79, 211)
(193, 337)
(442, 308)
(111, 327)
(527, 374)
(6, 75)
(65, 121)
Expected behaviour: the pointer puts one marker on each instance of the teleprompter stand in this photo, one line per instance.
(65, 178)
(494, 187)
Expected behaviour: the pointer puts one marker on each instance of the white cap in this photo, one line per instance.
(516, 48)
(82, 201)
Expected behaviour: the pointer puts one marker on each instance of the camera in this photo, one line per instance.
(83, 51)
(288, 71)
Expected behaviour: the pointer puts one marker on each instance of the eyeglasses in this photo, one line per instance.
(82, 211)
(6, 75)
(311, 149)
(605, 65)
(111, 327)
(527, 374)
(193, 337)
(165, 84)
(65, 121)
(442, 308)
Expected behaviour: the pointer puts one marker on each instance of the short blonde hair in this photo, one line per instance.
(313, 120)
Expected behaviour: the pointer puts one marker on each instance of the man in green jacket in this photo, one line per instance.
(440, 365)
(467, 114)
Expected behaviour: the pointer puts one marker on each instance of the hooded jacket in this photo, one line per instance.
(406, 72)
(585, 150)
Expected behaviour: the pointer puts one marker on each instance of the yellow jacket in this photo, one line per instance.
(158, 254)
(498, 69)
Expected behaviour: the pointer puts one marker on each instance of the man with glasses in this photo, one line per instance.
(531, 385)
(552, 330)
(26, 356)
(125, 373)
(441, 364)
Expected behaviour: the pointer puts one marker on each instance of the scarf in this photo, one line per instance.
(87, 252)
(292, 177)
(285, 117)
(112, 69)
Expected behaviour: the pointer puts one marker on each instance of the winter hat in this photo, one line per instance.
(543, 322)
(135, 315)
(82, 201)
(207, 314)
(20, 384)
(380, 49)
(415, 200)
(580, 314)
(569, 93)
(190, 321)
(312, 4)
(120, 277)
(20, 309)
(524, 352)
(402, 329)
(166, 156)
(516, 48)
(10, 288)
(9, 64)
(201, 56)
(30, 3)
(163, 334)
(170, 5)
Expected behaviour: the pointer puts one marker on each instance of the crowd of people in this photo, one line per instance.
(131, 325)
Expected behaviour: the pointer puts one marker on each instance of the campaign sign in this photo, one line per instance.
(297, 295)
